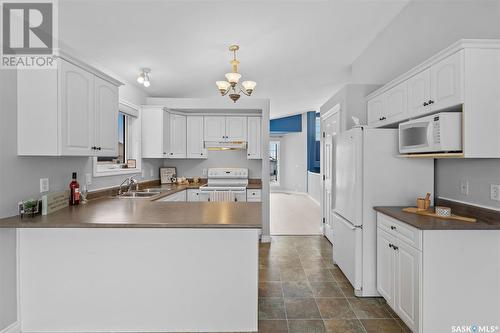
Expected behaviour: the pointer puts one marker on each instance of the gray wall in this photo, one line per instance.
(293, 160)
(230, 158)
(422, 29)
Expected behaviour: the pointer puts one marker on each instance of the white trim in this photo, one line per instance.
(315, 201)
(290, 192)
(128, 108)
(265, 239)
(13, 328)
(77, 62)
(455, 47)
(470, 203)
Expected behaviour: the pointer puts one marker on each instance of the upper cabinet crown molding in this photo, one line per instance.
(455, 47)
(59, 53)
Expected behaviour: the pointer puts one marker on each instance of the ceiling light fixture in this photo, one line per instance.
(231, 85)
(144, 77)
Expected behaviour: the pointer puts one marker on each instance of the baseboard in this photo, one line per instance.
(13, 328)
(314, 200)
(288, 192)
(265, 239)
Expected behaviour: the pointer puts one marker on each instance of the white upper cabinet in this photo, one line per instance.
(447, 82)
(177, 135)
(195, 144)
(155, 140)
(375, 109)
(236, 128)
(419, 93)
(254, 138)
(106, 113)
(215, 128)
(396, 101)
(77, 110)
(68, 111)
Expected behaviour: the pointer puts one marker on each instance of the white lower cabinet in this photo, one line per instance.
(179, 197)
(193, 195)
(399, 273)
(254, 195)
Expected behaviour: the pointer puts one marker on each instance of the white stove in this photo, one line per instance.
(232, 181)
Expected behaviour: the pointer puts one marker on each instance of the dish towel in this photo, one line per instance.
(222, 196)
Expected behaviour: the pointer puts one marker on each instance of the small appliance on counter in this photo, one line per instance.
(437, 133)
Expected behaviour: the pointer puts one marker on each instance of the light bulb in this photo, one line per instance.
(147, 83)
(140, 78)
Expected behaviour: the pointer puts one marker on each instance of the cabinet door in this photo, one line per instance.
(193, 195)
(166, 134)
(77, 110)
(236, 128)
(408, 278)
(177, 136)
(375, 109)
(106, 118)
(386, 262)
(447, 82)
(396, 102)
(195, 143)
(419, 93)
(214, 128)
(254, 138)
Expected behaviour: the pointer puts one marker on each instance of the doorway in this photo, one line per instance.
(274, 163)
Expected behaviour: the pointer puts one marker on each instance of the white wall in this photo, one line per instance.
(293, 160)
(422, 29)
(314, 186)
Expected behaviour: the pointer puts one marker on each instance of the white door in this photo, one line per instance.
(77, 110)
(375, 109)
(177, 136)
(419, 93)
(236, 128)
(106, 118)
(396, 102)
(348, 197)
(347, 250)
(254, 138)
(214, 128)
(195, 144)
(386, 262)
(447, 82)
(408, 271)
(330, 127)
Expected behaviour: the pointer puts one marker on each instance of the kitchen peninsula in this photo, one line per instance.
(116, 265)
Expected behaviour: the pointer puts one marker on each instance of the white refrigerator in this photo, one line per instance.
(368, 173)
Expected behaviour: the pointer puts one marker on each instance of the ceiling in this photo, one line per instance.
(298, 51)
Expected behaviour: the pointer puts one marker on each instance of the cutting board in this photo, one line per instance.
(430, 213)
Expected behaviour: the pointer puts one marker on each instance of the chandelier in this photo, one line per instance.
(231, 86)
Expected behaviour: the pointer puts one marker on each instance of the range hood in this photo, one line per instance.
(225, 145)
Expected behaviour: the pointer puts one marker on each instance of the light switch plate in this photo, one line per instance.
(464, 187)
(495, 192)
(44, 185)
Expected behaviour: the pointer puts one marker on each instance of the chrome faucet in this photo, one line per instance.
(131, 182)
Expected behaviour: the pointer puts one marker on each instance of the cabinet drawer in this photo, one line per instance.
(179, 196)
(402, 231)
(254, 195)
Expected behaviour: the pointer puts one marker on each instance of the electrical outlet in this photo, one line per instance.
(464, 187)
(495, 192)
(44, 185)
(88, 179)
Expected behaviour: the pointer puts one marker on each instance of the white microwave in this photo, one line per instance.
(440, 132)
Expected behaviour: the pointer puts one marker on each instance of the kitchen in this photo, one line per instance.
(160, 253)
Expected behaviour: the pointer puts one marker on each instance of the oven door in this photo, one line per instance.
(416, 137)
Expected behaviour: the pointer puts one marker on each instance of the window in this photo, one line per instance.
(274, 162)
(318, 127)
(128, 145)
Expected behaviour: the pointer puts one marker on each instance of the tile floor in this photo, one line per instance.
(294, 214)
(301, 291)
